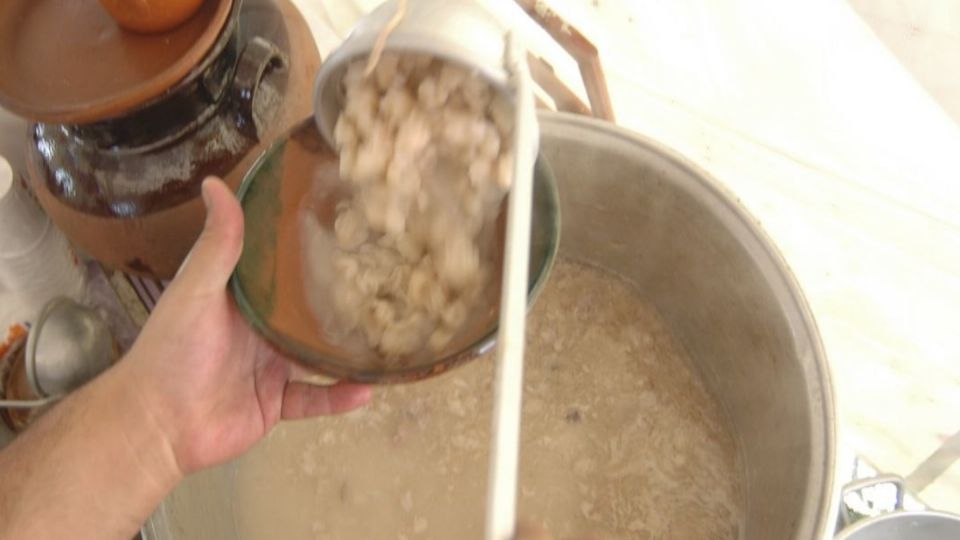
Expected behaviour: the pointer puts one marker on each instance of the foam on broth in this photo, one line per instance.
(620, 440)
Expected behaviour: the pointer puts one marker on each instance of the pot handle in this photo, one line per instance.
(846, 513)
(259, 57)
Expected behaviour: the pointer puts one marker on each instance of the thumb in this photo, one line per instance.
(215, 254)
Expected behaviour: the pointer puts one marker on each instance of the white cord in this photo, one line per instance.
(381, 41)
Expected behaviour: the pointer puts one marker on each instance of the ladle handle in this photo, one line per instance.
(508, 381)
(258, 58)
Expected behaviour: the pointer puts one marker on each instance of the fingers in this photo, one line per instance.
(216, 252)
(528, 530)
(302, 400)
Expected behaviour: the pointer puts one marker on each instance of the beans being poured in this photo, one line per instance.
(425, 147)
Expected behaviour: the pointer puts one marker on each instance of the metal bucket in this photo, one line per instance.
(631, 206)
(921, 525)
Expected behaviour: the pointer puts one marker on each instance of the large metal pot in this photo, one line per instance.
(632, 206)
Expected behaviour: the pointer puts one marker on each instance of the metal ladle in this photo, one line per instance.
(68, 346)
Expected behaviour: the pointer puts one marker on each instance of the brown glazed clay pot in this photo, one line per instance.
(126, 189)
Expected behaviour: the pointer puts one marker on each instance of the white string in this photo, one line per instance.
(28, 404)
(381, 41)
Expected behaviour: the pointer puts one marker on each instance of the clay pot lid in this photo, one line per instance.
(69, 62)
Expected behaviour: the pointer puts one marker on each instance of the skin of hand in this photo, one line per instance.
(229, 387)
(197, 388)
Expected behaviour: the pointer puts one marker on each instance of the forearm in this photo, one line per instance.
(93, 467)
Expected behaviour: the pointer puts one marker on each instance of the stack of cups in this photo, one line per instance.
(36, 260)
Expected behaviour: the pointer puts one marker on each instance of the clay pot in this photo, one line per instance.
(126, 189)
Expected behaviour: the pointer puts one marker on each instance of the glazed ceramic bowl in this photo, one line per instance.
(268, 284)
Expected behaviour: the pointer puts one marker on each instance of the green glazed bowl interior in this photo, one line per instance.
(268, 283)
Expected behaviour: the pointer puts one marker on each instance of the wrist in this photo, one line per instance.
(148, 438)
(98, 466)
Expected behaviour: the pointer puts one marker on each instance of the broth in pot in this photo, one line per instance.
(620, 440)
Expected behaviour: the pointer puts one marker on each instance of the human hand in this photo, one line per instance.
(529, 530)
(211, 384)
